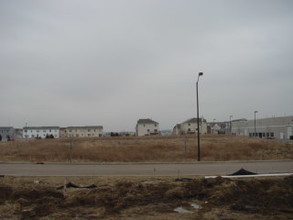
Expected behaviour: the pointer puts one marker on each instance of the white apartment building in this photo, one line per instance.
(147, 127)
(271, 128)
(81, 131)
(41, 132)
(190, 127)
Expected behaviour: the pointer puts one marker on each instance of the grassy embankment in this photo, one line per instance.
(140, 198)
(145, 149)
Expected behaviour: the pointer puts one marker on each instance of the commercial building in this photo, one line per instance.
(271, 128)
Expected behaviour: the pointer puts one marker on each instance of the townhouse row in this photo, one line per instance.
(272, 128)
(144, 127)
(8, 133)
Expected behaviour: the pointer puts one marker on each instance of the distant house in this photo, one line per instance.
(166, 132)
(18, 133)
(81, 131)
(218, 127)
(176, 130)
(147, 127)
(41, 132)
(190, 127)
(6, 133)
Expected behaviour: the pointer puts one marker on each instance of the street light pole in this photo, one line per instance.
(231, 124)
(198, 133)
(255, 123)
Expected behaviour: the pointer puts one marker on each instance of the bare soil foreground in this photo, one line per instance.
(145, 149)
(144, 198)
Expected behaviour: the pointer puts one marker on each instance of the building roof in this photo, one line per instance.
(193, 120)
(84, 127)
(5, 128)
(177, 126)
(41, 128)
(146, 121)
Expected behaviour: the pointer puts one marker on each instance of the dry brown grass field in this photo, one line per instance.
(130, 198)
(145, 149)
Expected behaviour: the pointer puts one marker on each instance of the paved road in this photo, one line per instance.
(202, 168)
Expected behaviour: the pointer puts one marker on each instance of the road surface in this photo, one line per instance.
(163, 169)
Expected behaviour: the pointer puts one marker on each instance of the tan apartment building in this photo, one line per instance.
(81, 131)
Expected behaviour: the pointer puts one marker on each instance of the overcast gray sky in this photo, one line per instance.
(113, 62)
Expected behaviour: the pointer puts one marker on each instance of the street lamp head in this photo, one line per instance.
(199, 74)
(255, 112)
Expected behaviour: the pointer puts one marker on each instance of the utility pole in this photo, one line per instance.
(255, 123)
(198, 132)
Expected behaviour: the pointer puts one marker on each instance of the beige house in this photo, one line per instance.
(81, 131)
(190, 127)
(147, 127)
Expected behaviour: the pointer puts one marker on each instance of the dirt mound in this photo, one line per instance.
(262, 196)
(32, 203)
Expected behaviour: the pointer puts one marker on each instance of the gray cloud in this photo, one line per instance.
(113, 62)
